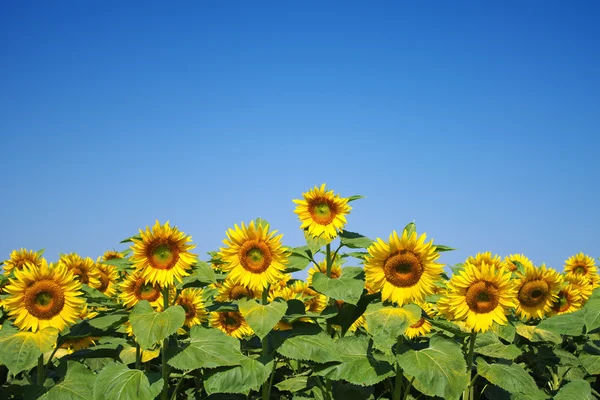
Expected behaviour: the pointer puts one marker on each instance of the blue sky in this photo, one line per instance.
(477, 120)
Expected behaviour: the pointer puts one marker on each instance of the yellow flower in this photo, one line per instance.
(136, 288)
(403, 270)
(77, 344)
(43, 296)
(336, 271)
(230, 291)
(18, 259)
(232, 323)
(581, 264)
(313, 301)
(360, 321)
(485, 258)
(569, 300)
(83, 268)
(581, 283)
(254, 256)
(422, 326)
(537, 290)
(111, 255)
(509, 262)
(322, 212)
(479, 296)
(191, 301)
(162, 254)
(109, 278)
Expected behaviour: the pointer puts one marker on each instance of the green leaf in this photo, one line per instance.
(202, 275)
(355, 197)
(575, 390)
(510, 377)
(440, 248)
(150, 326)
(385, 324)
(348, 287)
(123, 263)
(117, 382)
(410, 228)
(358, 366)
(354, 240)
(319, 348)
(591, 312)
(296, 263)
(249, 375)
(108, 321)
(506, 332)
(20, 350)
(128, 355)
(439, 370)
(565, 324)
(316, 243)
(537, 335)
(591, 363)
(130, 239)
(489, 345)
(262, 318)
(77, 385)
(293, 385)
(208, 348)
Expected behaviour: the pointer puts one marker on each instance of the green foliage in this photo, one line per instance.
(20, 350)
(575, 390)
(77, 385)
(249, 375)
(262, 318)
(564, 324)
(354, 240)
(348, 287)
(488, 344)
(208, 348)
(591, 312)
(387, 323)
(510, 377)
(117, 382)
(150, 326)
(202, 275)
(319, 348)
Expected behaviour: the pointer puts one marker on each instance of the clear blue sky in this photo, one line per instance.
(478, 120)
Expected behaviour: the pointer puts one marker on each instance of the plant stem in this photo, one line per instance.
(397, 395)
(468, 391)
(266, 387)
(138, 356)
(174, 395)
(50, 360)
(328, 259)
(165, 366)
(407, 391)
(40, 370)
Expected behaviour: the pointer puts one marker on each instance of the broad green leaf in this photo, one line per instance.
(202, 275)
(565, 324)
(591, 363)
(535, 334)
(510, 377)
(262, 318)
(296, 263)
(293, 385)
(348, 287)
(385, 324)
(128, 354)
(357, 365)
(319, 348)
(20, 350)
(150, 326)
(249, 375)
(316, 243)
(439, 370)
(296, 312)
(489, 345)
(122, 263)
(354, 240)
(575, 390)
(208, 348)
(77, 385)
(591, 312)
(355, 197)
(108, 321)
(567, 359)
(117, 382)
(506, 332)
(130, 239)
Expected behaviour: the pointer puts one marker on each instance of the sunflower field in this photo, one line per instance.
(374, 319)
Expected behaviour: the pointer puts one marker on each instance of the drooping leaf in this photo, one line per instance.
(128, 354)
(348, 287)
(294, 384)
(208, 348)
(318, 348)
(506, 332)
(489, 345)
(591, 312)
(575, 390)
(262, 318)
(150, 326)
(385, 324)
(108, 321)
(202, 275)
(591, 363)
(316, 243)
(117, 382)
(440, 248)
(77, 385)
(249, 375)
(510, 377)
(20, 350)
(296, 263)
(354, 240)
(565, 324)
(439, 370)
(355, 197)
(535, 334)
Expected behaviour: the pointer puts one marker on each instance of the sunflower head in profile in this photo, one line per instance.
(322, 212)
(230, 291)
(569, 300)
(313, 301)
(510, 262)
(108, 277)
(404, 270)
(111, 255)
(43, 296)
(581, 264)
(479, 296)
(191, 301)
(232, 323)
(136, 288)
(76, 344)
(336, 271)
(537, 290)
(422, 327)
(84, 269)
(254, 256)
(485, 258)
(18, 259)
(581, 283)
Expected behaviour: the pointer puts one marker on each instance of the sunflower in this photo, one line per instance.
(111, 255)
(537, 290)
(360, 321)
(569, 300)
(581, 264)
(322, 212)
(77, 344)
(336, 271)
(191, 301)
(403, 270)
(108, 278)
(231, 322)
(254, 256)
(136, 288)
(162, 254)
(18, 259)
(422, 326)
(509, 262)
(43, 296)
(230, 291)
(83, 268)
(581, 283)
(313, 301)
(485, 258)
(479, 296)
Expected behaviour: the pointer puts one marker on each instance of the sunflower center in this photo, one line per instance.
(163, 254)
(146, 291)
(511, 266)
(562, 304)
(104, 281)
(238, 292)
(190, 310)
(403, 269)
(482, 297)
(579, 270)
(82, 274)
(230, 321)
(323, 211)
(533, 293)
(44, 299)
(255, 256)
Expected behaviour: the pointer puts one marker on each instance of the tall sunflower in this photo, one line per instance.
(581, 283)
(191, 301)
(231, 322)
(336, 271)
(510, 262)
(569, 300)
(404, 270)
(422, 326)
(108, 277)
(485, 258)
(581, 264)
(43, 296)
(479, 296)
(230, 291)
(18, 259)
(537, 290)
(136, 288)
(162, 254)
(254, 256)
(84, 269)
(322, 212)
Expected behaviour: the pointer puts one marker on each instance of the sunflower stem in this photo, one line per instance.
(397, 395)
(138, 356)
(266, 387)
(407, 391)
(467, 393)
(50, 360)
(165, 366)
(40, 371)
(329, 261)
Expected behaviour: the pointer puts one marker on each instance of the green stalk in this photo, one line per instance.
(266, 387)
(407, 391)
(397, 395)
(138, 356)
(174, 395)
(468, 391)
(40, 371)
(50, 360)
(165, 366)
(328, 259)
